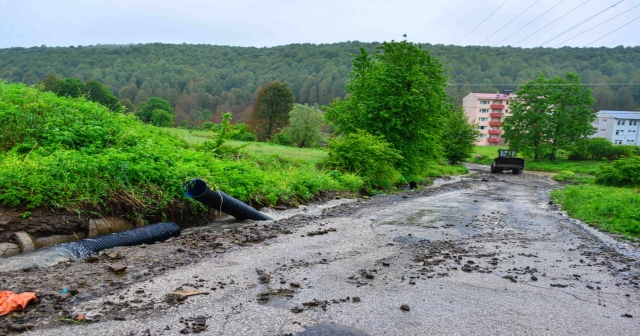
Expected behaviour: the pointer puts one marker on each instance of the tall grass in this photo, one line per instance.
(611, 209)
(71, 153)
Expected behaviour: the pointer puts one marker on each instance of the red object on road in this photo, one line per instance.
(10, 301)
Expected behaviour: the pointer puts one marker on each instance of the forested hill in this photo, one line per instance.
(223, 78)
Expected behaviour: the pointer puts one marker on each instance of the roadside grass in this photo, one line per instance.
(73, 154)
(610, 209)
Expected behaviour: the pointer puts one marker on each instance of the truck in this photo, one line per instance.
(507, 160)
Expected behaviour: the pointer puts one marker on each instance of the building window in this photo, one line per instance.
(506, 111)
(484, 102)
(633, 122)
(621, 122)
(506, 103)
(602, 130)
(631, 141)
(482, 127)
(483, 119)
(484, 110)
(617, 142)
(481, 136)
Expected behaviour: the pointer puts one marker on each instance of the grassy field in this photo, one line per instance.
(588, 167)
(609, 209)
(256, 149)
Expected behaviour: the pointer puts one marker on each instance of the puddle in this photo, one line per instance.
(330, 330)
(43, 257)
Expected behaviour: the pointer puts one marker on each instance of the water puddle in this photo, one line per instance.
(330, 330)
(43, 257)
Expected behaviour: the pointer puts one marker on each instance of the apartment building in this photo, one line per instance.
(488, 110)
(619, 127)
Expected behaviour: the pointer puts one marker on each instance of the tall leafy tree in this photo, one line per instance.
(555, 114)
(398, 92)
(145, 110)
(459, 136)
(270, 113)
(305, 125)
(101, 94)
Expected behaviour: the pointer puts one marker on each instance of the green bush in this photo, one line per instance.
(71, 153)
(241, 132)
(564, 175)
(161, 118)
(599, 148)
(283, 139)
(620, 173)
(609, 208)
(367, 156)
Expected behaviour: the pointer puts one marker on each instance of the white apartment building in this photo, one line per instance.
(488, 110)
(619, 127)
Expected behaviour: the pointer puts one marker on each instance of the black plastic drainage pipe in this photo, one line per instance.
(200, 191)
(143, 235)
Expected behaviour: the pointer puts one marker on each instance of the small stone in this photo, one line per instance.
(295, 284)
(405, 307)
(386, 263)
(117, 268)
(627, 315)
(356, 299)
(534, 278)
(16, 327)
(297, 310)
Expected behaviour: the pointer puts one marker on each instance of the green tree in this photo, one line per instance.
(305, 125)
(100, 94)
(161, 118)
(398, 93)
(71, 87)
(270, 113)
(145, 110)
(459, 136)
(51, 83)
(554, 114)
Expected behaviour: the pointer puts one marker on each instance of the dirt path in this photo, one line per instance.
(487, 255)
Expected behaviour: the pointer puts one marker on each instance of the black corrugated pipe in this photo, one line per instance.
(200, 191)
(143, 235)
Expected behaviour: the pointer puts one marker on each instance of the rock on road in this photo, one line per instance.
(485, 255)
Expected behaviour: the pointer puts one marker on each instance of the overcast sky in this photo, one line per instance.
(26, 23)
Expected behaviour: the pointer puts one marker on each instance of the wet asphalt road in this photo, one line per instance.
(485, 256)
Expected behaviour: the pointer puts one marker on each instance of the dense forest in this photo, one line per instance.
(224, 78)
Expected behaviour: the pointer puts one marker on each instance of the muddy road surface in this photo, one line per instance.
(485, 255)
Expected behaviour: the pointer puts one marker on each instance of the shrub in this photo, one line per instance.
(599, 148)
(618, 152)
(283, 139)
(366, 155)
(241, 132)
(564, 175)
(621, 173)
(161, 118)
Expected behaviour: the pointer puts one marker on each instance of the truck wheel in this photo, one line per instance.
(493, 170)
(515, 171)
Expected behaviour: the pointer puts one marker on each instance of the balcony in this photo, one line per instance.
(495, 115)
(495, 131)
(495, 123)
(494, 140)
(497, 107)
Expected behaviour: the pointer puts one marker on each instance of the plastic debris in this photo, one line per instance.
(10, 301)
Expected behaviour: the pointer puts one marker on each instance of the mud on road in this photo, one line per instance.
(485, 255)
